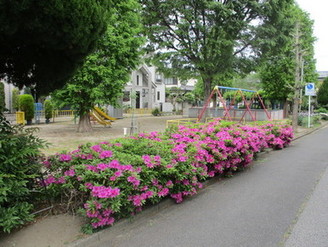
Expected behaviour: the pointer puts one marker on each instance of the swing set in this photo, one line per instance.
(248, 97)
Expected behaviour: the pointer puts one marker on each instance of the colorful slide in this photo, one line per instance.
(103, 114)
(96, 117)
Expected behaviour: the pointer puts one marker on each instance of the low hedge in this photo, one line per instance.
(112, 180)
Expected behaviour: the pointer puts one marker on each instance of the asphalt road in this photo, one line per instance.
(276, 202)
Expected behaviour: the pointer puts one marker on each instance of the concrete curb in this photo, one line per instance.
(167, 202)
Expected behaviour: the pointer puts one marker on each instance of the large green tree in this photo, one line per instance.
(287, 55)
(205, 38)
(104, 74)
(43, 42)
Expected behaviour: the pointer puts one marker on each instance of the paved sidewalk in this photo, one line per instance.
(311, 228)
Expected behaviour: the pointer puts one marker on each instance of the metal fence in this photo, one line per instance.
(19, 117)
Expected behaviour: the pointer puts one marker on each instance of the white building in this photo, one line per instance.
(148, 87)
(8, 96)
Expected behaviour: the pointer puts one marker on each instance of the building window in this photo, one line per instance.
(171, 81)
(137, 80)
(158, 95)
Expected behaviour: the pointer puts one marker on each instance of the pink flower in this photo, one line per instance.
(65, 157)
(169, 183)
(96, 148)
(105, 154)
(182, 158)
(134, 181)
(163, 192)
(118, 173)
(105, 192)
(49, 180)
(102, 166)
(91, 168)
(70, 173)
(61, 180)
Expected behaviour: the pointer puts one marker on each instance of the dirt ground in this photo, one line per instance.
(62, 134)
(60, 230)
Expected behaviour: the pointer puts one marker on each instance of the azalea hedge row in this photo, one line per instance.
(112, 180)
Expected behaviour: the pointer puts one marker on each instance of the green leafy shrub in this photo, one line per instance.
(321, 110)
(48, 109)
(19, 155)
(156, 112)
(112, 180)
(26, 104)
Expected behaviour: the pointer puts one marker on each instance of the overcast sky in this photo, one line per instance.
(318, 10)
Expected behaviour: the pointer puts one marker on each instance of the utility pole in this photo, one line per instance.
(297, 86)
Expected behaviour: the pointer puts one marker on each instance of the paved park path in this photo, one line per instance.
(281, 200)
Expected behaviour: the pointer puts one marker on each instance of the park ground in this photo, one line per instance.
(60, 230)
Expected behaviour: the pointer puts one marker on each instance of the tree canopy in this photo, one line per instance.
(323, 93)
(278, 52)
(104, 74)
(205, 38)
(42, 43)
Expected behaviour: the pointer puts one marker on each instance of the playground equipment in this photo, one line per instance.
(102, 118)
(232, 107)
(103, 114)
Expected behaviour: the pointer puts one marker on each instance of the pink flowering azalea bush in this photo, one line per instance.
(113, 180)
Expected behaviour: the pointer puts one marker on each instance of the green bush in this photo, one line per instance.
(26, 104)
(19, 155)
(321, 110)
(48, 109)
(156, 112)
(303, 120)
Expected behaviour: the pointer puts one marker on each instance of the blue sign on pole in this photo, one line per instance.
(310, 89)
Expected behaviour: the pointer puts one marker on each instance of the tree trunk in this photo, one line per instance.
(84, 123)
(295, 110)
(285, 114)
(207, 92)
(296, 97)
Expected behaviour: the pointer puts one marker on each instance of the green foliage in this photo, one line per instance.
(26, 104)
(190, 98)
(237, 96)
(278, 62)
(250, 81)
(321, 110)
(105, 72)
(15, 99)
(322, 96)
(156, 112)
(2, 97)
(303, 120)
(48, 108)
(19, 156)
(206, 38)
(43, 42)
